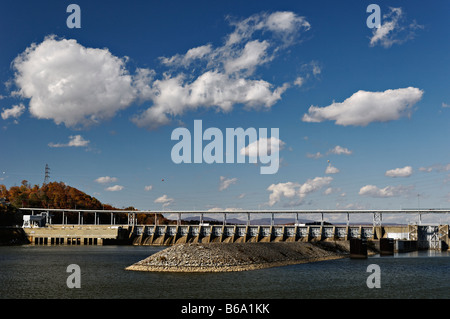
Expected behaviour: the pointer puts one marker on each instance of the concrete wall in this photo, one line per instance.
(71, 234)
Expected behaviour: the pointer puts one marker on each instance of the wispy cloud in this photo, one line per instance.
(115, 188)
(332, 190)
(74, 141)
(164, 200)
(435, 167)
(388, 191)
(394, 29)
(315, 156)
(339, 150)
(226, 182)
(14, 112)
(106, 180)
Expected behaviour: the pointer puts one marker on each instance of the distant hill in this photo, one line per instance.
(259, 221)
(51, 195)
(267, 221)
(57, 195)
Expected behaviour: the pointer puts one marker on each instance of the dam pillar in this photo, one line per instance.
(386, 246)
(378, 232)
(358, 248)
(444, 236)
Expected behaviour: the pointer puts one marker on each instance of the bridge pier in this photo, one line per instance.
(386, 246)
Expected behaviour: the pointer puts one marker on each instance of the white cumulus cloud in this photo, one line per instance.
(388, 191)
(296, 191)
(288, 189)
(365, 107)
(71, 84)
(164, 200)
(79, 86)
(331, 170)
(106, 180)
(262, 147)
(400, 172)
(173, 96)
(223, 74)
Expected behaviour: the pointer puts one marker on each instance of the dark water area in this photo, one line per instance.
(32, 272)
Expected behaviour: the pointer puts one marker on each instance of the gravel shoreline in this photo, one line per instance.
(220, 257)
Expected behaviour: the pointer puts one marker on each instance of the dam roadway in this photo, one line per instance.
(40, 229)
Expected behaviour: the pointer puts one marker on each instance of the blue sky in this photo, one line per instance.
(362, 113)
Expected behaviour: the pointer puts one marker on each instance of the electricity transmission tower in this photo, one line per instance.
(47, 174)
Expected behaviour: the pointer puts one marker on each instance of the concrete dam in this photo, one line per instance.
(40, 230)
(424, 237)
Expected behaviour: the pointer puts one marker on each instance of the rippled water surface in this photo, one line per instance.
(41, 272)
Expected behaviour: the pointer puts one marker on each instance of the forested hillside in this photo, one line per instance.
(56, 195)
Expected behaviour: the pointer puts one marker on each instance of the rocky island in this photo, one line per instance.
(220, 257)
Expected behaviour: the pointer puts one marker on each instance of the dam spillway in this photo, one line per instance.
(408, 237)
(173, 234)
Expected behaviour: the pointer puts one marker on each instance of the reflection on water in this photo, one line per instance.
(40, 272)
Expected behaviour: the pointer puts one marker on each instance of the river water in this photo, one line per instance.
(41, 272)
